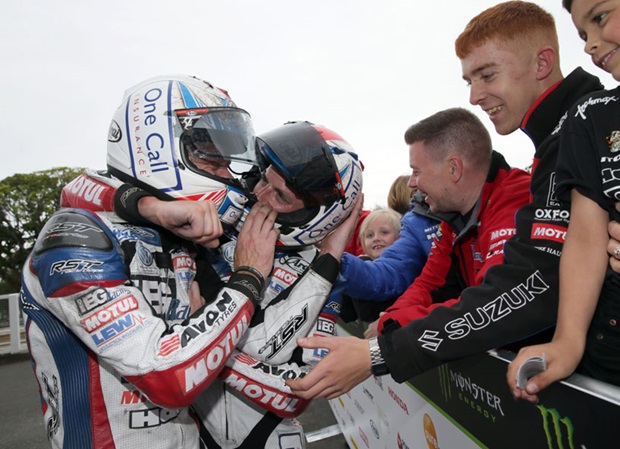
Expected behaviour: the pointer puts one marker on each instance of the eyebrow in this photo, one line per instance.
(477, 70)
(591, 10)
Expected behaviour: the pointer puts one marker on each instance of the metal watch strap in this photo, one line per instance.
(377, 363)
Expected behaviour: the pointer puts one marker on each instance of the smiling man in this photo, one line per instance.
(510, 58)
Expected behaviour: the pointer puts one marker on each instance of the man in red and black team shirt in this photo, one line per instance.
(518, 298)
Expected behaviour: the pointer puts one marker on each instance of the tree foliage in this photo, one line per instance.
(26, 202)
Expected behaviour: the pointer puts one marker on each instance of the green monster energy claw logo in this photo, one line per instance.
(559, 431)
(444, 382)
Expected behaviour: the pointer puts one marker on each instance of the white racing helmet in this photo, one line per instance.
(321, 167)
(166, 125)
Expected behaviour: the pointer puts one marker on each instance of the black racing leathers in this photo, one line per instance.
(518, 298)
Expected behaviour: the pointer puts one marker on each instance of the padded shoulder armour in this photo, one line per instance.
(72, 228)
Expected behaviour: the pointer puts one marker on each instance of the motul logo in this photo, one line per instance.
(87, 189)
(549, 232)
(214, 357)
(110, 313)
(181, 262)
(284, 275)
(270, 399)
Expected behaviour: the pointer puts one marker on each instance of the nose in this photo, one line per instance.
(476, 94)
(261, 190)
(413, 182)
(222, 172)
(591, 45)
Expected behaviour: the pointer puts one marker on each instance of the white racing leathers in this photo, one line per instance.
(251, 407)
(116, 353)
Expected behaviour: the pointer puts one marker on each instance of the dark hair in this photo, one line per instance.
(567, 4)
(454, 130)
(513, 21)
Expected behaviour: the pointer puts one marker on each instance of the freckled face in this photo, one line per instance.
(502, 82)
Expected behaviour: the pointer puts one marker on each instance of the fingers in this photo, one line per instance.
(372, 331)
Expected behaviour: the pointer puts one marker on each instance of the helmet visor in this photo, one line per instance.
(216, 133)
(304, 159)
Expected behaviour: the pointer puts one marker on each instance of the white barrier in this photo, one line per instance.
(466, 404)
(15, 327)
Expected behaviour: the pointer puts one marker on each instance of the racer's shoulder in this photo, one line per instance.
(75, 228)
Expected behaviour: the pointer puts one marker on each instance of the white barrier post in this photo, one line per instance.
(15, 332)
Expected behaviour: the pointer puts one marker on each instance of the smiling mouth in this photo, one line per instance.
(491, 112)
(602, 63)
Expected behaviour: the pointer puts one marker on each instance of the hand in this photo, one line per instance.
(373, 329)
(256, 243)
(197, 221)
(562, 360)
(614, 242)
(196, 301)
(336, 242)
(346, 365)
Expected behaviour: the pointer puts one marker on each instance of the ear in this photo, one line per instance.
(455, 165)
(545, 62)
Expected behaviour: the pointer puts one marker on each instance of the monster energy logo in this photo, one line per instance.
(559, 431)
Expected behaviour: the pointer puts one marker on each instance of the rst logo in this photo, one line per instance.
(74, 266)
(285, 334)
(72, 226)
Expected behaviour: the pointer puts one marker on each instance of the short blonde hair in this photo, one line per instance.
(392, 216)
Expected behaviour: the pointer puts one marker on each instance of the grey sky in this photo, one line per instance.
(366, 69)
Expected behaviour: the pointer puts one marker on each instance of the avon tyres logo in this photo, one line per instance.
(558, 430)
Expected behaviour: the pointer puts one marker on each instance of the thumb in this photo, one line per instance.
(537, 383)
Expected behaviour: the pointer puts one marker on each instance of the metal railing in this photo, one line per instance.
(11, 324)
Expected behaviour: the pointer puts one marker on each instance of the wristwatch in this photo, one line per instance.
(377, 363)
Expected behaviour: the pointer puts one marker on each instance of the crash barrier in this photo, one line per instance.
(467, 404)
(11, 324)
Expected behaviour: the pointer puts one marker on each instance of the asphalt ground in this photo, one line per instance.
(21, 423)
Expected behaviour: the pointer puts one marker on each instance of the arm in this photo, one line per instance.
(389, 275)
(580, 286)
(614, 242)
(294, 312)
(475, 252)
(115, 319)
(197, 221)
